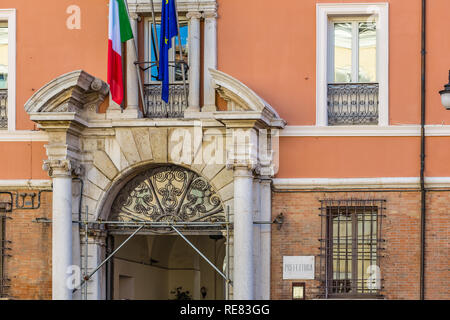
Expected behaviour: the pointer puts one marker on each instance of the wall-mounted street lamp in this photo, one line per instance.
(445, 94)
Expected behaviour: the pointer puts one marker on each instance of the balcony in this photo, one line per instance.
(3, 109)
(353, 104)
(155, 107)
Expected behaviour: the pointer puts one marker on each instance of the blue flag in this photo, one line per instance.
(169, 29)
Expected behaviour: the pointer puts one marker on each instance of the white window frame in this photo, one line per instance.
(9, 15)
(324, 58)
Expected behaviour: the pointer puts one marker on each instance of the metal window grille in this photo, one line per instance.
(350, 247)
(353, 103)
(5, 207)
(3, 109)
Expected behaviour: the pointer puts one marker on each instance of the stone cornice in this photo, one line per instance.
(432, 130)
(145, 7)
(359, 183)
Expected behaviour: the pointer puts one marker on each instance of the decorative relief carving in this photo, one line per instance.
(62, 168)
(168, 194)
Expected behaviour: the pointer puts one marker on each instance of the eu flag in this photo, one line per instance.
(169, 29)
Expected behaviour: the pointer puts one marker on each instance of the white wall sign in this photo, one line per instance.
(298, 267)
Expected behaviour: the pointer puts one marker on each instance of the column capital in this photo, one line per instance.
(135, 16)
(193, 15)
(210, 14)
(242, 171)
(62, 168)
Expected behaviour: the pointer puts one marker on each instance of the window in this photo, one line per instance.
(352, 96)
(355, 50)
(174, 53)
(350, 247)
(7, 69)
(352, 64)
(4, 75)
(155, 107)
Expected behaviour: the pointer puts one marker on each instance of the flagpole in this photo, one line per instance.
(156, 35)
(181, 56)
(138, 71)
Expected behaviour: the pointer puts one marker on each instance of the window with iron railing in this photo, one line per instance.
(3, 109)
(351, 247)
(353, 90)
(3, 75)
(155, 107)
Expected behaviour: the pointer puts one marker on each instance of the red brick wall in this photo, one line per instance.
(400, 266)
(437, 264)
(29, 266)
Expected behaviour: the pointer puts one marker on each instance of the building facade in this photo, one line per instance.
(303, 153)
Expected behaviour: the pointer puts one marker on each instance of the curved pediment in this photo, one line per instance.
(69, 92)
(240, 97)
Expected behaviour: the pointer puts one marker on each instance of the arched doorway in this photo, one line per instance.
(158, 263)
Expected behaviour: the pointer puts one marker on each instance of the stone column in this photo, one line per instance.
(265, 215)
(194, 61)
(61, 173)
(257, 237)
(243, 281)
(210, 60)
(132, 110)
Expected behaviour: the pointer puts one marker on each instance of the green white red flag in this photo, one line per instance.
(119, 31)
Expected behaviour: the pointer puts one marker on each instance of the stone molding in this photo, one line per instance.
(144, 6)
(72, 92)
(360, 183)
(241, 98)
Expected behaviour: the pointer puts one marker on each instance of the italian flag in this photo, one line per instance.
(119, 31)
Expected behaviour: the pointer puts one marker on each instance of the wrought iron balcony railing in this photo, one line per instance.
(155, 107)
(3, 109)
(353, 104)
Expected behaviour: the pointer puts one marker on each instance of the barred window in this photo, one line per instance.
(5, 207)
(2, 249)
(350, 247)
